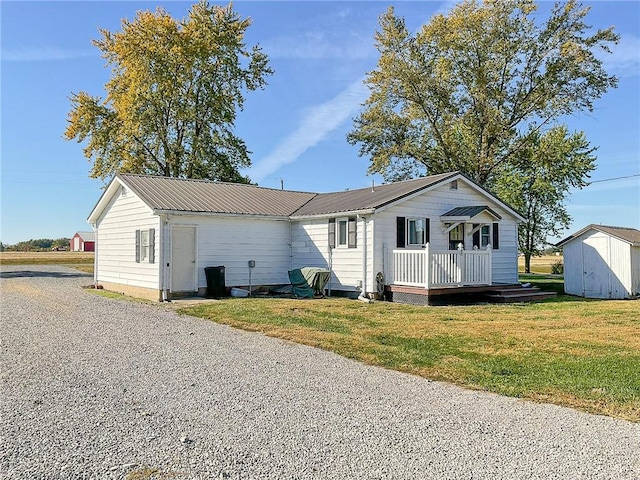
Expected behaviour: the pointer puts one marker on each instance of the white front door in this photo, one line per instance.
(183, 259)
(596, 270)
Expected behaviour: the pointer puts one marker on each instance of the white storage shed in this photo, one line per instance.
(602, 262)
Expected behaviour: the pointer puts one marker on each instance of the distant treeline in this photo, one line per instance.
(37, 245)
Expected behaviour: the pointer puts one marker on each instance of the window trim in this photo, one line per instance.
(145, 253)
(459, 227)
(408, 242)
(485, 236)
(144, 246)
(339, 223)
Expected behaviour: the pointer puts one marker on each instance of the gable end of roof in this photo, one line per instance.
(626, 234)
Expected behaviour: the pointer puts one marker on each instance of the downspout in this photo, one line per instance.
(363, 292)
(95, 255)
(330, 270)
(290, 245)
(164, 265)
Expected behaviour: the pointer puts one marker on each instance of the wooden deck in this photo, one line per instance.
(472, 294)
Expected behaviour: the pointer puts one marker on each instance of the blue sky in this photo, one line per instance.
(296, 128)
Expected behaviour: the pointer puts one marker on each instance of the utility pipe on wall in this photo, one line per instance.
(364, 255)
(164, 256)
(95, 255)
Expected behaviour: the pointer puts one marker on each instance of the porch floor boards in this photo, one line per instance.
(496, 293)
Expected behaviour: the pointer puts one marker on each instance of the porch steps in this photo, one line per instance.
(517, 295)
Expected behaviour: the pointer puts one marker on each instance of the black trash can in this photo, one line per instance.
(215, 282)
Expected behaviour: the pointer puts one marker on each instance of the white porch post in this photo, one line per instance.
(427, 266)
(490, 250)
(461, 264)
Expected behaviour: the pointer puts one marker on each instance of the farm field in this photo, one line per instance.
(540, 264)
(567, 351)
(46, 258)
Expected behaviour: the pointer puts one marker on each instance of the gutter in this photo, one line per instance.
(368, 211)
(220, 214)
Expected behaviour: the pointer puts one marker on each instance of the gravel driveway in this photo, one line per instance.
(100, 388)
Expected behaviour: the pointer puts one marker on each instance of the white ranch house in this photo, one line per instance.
(155, 235)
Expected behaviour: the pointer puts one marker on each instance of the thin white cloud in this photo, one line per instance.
(318, 122)
(40, 54)
(624, 60)
(319, 44)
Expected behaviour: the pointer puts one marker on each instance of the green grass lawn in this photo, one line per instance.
(568, 351)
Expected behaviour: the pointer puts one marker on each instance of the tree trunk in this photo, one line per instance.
(527, 263)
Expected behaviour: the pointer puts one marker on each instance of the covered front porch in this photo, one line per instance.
(426, 277)
(428, 269)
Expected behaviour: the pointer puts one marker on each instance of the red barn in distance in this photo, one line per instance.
(83, 242)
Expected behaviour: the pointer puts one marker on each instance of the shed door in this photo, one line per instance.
(595, 252)
(183, 259)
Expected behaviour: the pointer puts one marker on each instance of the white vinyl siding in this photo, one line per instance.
(432, 204)
(233, 241)
(310, 248)
(116, 243)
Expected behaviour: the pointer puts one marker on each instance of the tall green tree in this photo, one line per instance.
(549, 166)
(175, 89)
(472, 90)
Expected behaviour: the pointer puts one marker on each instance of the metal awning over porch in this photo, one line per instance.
(466, 214)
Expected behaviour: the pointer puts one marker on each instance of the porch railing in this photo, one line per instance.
(426, 268)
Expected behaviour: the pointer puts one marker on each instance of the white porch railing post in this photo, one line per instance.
(427, 266)
(490, 265)
(461, 264)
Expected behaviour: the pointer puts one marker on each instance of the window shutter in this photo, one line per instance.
(427, 230)
(332, 233)
(137, 246)
(496, 237)
(476, 236)
(352, 233)
(400, 232)
(152, 245)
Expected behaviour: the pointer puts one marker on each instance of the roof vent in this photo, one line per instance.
(453, 185)
(124, 192)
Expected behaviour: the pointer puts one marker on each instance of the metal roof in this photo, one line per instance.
(200, 196)
(168, 194)
(626, 234)
(367, 198)
(204, 196)
(87, 236)
(469, 212)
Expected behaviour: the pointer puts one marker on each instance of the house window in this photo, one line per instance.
(453, 185)
(342, 232)
(412, 232)
(416, 231)
(485, 236)
(145, 245)
(456, 237)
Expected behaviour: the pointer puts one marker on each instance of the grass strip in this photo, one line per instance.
(573, 352)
